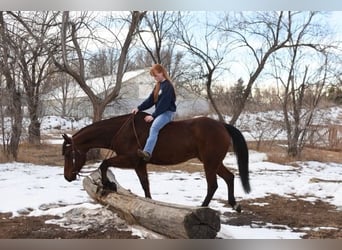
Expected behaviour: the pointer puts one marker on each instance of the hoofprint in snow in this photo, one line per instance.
(36, 190)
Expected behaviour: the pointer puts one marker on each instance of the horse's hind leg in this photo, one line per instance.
(228, 177)
(210, 175)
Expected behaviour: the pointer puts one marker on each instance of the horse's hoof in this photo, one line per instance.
(110, 186)
(237, 208)
(104, 192)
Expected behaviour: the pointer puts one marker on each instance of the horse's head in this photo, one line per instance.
(74, 159)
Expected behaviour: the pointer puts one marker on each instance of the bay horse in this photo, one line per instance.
(203, 138)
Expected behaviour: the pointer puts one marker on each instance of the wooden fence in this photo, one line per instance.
(329, 136)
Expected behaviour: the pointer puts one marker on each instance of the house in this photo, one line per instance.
(136, 86)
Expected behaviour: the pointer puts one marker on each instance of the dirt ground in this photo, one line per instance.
(27, 227)
(324, 221)
(318, 220)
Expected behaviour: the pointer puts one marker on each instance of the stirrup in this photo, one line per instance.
(143, 154)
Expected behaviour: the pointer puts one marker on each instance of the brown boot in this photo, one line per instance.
(143, 154)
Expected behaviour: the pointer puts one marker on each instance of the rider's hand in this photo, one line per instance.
(135, 111)
(148, 118)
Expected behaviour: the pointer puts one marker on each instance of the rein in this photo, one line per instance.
(130, 118)
(84, 173)
(81, 172)
(136, 135)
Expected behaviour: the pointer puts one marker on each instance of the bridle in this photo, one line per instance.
(73, 152)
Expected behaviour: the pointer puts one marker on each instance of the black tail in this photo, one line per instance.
(241, 151)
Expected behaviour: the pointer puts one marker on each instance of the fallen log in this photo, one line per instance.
(170, 220)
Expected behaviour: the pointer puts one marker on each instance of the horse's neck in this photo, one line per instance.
(98, 135)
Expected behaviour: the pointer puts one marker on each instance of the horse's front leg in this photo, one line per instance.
(121, 161)
(141, 172)
(106, 183)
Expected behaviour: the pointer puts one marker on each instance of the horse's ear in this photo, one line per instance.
(66, 138)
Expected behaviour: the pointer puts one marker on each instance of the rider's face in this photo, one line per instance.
(159, 77)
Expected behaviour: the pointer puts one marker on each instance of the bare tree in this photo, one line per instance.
(8, 53)
(61, 96)
(34, 61)
(262, 34)
(156, 34)
(303, 90)
(72, 53)
(207, 52)
(302, 81)
(102, 62)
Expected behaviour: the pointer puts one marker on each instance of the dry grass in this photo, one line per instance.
(49, 154)
(276, 152)
(191, 166)
(45, 154)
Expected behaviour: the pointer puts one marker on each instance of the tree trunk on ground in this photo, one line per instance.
(173, 221)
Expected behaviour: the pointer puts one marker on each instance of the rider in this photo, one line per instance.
(163, 97)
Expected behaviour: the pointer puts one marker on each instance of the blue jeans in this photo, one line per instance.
(158, 123)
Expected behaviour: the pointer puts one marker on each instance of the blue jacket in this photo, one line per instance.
(166, 100)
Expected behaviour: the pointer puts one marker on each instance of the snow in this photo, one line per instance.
(34, 190)
(41, 190)
(246, 232)
(32, 186)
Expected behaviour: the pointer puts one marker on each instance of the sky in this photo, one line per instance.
(336, 23)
